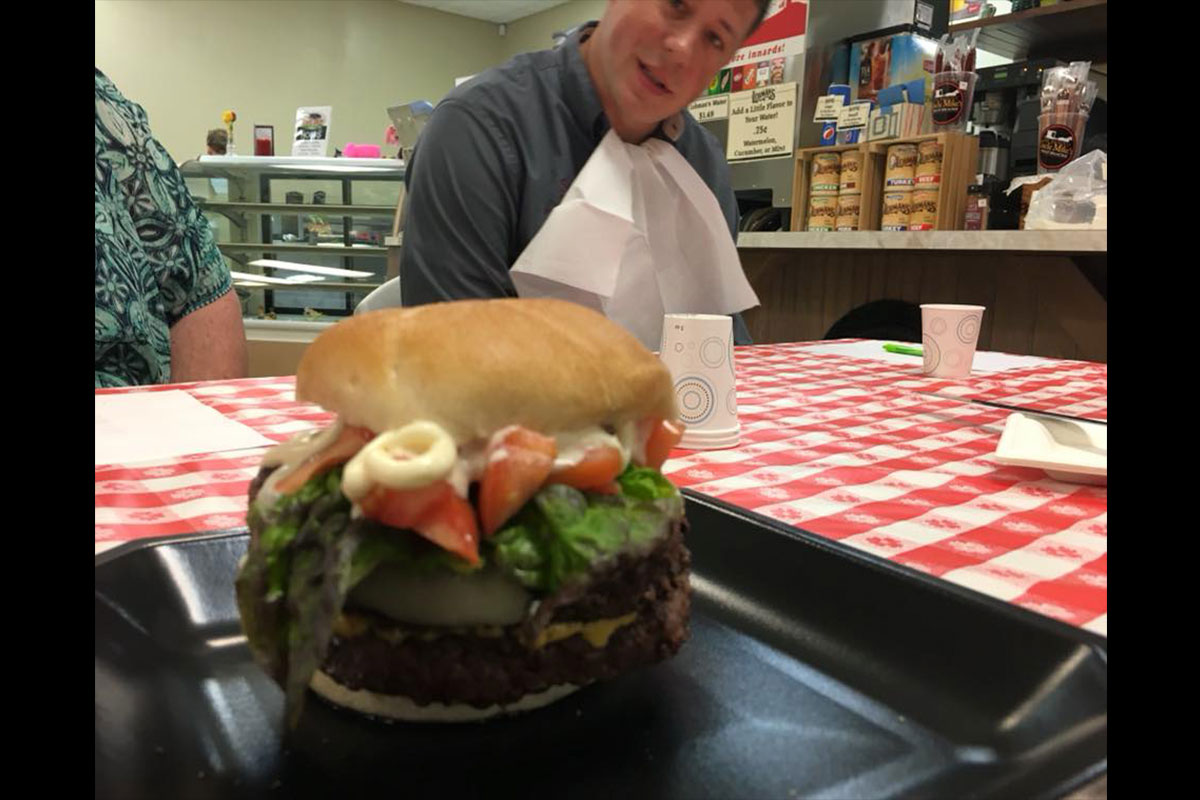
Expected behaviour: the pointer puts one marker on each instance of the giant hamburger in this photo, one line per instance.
(483, 529)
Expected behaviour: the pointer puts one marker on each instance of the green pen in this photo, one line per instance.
(903, 349)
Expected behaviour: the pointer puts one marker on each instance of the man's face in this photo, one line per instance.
(656, 56)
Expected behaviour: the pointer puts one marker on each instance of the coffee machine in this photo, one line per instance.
(1004, 114)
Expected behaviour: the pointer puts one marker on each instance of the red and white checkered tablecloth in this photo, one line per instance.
(851, 449)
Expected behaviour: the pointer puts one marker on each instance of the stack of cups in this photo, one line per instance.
(898, 180)
(698, 351)
(823, 191)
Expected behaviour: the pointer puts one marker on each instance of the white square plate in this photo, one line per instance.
(1067, 450)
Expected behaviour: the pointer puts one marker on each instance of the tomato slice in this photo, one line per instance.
(342, 450)
(435, 512)
(663, 436)
(404, 508)
(598, 468)
(519, 460)
(452, 525)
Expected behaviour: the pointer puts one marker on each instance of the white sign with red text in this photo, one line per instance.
(781, 34)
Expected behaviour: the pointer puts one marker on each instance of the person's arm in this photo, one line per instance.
(208, 339)
(461, 210)
(201, 308)
(210, 342)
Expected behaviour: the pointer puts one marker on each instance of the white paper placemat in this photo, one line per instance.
(151, 425)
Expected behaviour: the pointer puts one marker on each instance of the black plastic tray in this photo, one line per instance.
(813, 670)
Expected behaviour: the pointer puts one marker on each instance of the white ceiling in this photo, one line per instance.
(491, 10)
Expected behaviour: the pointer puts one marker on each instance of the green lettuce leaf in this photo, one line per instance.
(644, 483)
(379, 544)
(562, 533)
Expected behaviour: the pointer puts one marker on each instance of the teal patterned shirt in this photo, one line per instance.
(156, 261)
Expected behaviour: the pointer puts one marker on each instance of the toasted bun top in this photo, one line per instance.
(475, 366)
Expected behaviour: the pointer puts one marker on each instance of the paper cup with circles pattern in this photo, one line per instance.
(949, 334)
(698, 350)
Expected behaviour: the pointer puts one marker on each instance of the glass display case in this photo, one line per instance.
(304, 237)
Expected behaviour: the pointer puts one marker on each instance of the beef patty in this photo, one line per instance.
(504, 665)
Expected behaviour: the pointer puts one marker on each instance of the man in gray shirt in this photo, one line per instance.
(500, 151)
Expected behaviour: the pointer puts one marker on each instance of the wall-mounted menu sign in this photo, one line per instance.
(706, 109)
(762, 123)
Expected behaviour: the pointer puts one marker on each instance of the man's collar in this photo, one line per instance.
(584, 101)
(581, 94)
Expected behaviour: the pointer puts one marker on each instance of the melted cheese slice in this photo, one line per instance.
(595, 633)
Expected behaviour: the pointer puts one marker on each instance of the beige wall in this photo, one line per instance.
(534, 32)
(185, 61)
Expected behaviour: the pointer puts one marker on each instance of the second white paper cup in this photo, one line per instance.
(949, 334)
(698, 350)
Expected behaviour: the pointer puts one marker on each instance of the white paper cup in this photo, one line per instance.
(949, 334)
(698, 350)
